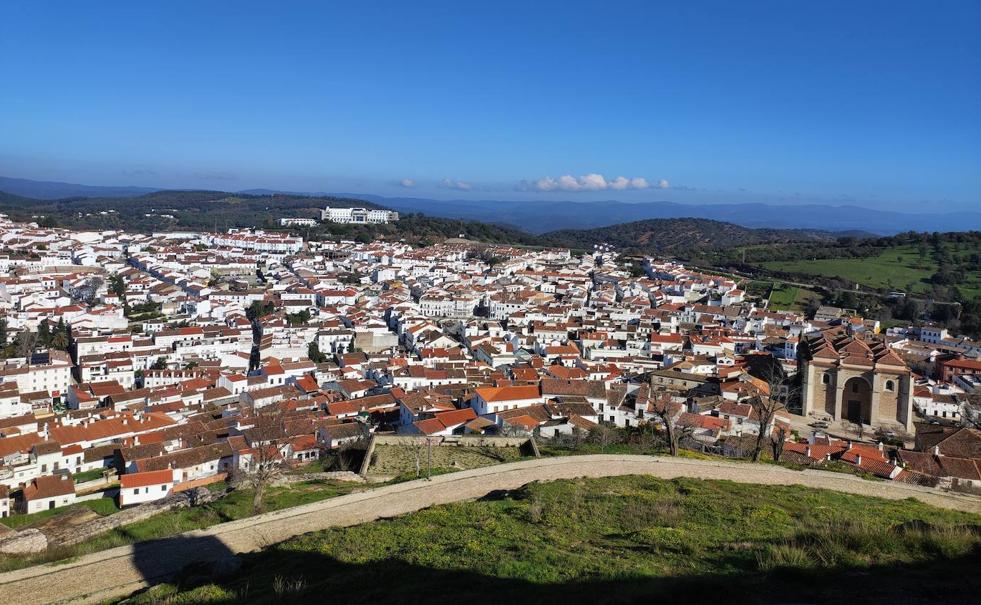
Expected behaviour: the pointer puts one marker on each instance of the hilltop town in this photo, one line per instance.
(137, 366)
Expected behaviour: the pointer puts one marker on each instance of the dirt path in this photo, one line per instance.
(121, 571)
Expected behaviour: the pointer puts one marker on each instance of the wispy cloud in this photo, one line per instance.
(454, 184)
(407, 183)
(139, 172)
(215, 176)
(589, 182)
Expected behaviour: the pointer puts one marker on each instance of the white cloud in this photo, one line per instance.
(458, 185)
(545, 184)
(663, 184)
(569, 183)
(587, 182)
(407, 183)
(620, 183)
(593, 182)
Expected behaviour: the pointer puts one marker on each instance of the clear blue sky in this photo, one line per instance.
(875, 103)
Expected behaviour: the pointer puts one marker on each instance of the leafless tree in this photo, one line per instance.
(668, 413)
(777, 440)
(971, 411)
(413, 448)
(90, 290)
(603, 435)
(25, 343)
(780, 389)
(265, 437)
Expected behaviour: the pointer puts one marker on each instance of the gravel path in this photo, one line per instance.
(120, 571)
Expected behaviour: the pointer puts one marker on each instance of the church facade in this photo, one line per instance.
(860, 381)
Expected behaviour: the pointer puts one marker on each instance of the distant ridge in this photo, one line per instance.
(54, 190)
(681, 235)
(542, 216)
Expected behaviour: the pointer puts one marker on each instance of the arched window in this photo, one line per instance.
(890, 385)
(826, 378)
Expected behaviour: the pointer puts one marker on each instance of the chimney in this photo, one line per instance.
(858, 460)
(807, 451)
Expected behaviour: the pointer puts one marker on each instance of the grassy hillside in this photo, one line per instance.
(893, 268)
(680, 236)
(621, 540)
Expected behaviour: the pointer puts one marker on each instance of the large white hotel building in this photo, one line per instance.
(358, 215)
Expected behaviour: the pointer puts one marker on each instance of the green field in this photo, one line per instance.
(898, 268)
(782, 296)
(785, 297)
(620, 540)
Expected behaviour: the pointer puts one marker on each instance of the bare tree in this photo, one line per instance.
(971, 409)
(265, 437)
(766, 406)
(777, 440)
(25, 343)
(669, 413)
(413, 447)
(90, 289)
(603, 435)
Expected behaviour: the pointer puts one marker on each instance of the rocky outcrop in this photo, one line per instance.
(23, 542)
(67, 536)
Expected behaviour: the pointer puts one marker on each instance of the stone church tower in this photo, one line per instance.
(851, 379)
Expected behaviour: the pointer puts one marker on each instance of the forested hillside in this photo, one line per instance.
(681, 236)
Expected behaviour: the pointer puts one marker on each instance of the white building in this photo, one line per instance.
(358, 215)
(137, 488)
(297, 222)
(260, 241)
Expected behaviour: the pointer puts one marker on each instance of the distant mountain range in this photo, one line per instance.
(543, 216)
(540, 217)
(54, 190)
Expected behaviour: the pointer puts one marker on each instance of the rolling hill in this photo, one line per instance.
(543, 216)
(540, 216)
(680, 236)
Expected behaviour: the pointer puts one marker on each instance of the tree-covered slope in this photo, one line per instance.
(680, 236)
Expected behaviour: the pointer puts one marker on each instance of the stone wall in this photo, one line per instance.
(23, 542)
(75, 534)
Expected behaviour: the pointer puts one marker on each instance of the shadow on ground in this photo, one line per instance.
(280, 575)
(193, 559)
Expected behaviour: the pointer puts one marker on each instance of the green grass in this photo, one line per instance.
(102, 506)
(236, 505)
(91, 475)
(898, 268)
(783, 296)
(623, 539)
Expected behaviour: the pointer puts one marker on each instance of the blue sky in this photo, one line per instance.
(870, 103)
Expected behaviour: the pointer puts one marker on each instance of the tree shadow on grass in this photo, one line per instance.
(281, 574)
